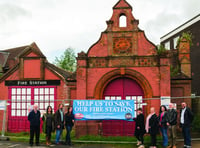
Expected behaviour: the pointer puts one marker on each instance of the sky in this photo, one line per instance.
(55, 25)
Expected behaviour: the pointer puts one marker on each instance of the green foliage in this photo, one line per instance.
(67, 61)
(161, 50)
(107, 138)
(186, 35)
(174, 71)
(196, 123)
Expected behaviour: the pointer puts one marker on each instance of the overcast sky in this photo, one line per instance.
(58, 24)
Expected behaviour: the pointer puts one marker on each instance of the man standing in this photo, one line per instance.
(186, 117)
(59, 122)
(34, 118)
(171, 123)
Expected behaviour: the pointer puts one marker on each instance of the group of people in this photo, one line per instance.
(166, 121)
(51, 122)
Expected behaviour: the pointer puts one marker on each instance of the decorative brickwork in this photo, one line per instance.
(122, 61)
(122, 45)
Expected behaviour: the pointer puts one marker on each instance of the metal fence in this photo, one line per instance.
(12, 123)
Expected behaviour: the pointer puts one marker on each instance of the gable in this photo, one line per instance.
(127, 40)
(32, 69)
(32, 54)
(122, 4)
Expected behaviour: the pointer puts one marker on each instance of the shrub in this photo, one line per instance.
(196, 123)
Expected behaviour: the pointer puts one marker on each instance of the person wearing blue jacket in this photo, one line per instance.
(34, 118)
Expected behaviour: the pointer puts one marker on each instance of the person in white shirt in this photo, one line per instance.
(186, 117)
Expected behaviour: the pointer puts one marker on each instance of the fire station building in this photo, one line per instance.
(122, 65)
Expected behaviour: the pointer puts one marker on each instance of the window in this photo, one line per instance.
(20, 101)
(23, 98)
(122, 21)
(137, 101)
(175, 40)
(44, 97)
(113, 97)
(167, 45)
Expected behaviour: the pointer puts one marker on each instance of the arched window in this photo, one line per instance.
(122, 20)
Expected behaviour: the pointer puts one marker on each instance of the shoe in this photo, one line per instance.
(37, 144)
(31, 144)
(138, 143)
(141, 146)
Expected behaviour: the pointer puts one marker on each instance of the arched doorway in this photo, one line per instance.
(122, 89)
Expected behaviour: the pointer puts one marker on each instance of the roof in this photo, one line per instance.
(3, 58)
(180, 28)
(67, 75)
(12, 54)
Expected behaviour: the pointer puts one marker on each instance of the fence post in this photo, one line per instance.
(4, 120)
(4, 123)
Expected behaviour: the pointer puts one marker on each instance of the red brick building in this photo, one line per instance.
(122, 64)
(29, 78)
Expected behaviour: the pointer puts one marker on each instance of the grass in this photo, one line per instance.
(117, 141)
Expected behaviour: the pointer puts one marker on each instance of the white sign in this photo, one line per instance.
(2, 105)
(165, 100)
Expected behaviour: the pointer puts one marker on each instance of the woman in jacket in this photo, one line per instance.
(152, 126)
(163, 124)
(48, 124)
(139, 127)
(69, 123)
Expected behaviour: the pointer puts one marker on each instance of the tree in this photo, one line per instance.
(67, 61)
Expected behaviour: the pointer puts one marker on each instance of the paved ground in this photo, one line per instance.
(10, 144)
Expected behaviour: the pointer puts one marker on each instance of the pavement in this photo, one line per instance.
(10, 144)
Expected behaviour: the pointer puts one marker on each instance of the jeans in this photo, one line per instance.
(68, 138)
(58, 134)
(164, 135)
(186, 135)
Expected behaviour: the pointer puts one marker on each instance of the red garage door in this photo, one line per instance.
(122, 89)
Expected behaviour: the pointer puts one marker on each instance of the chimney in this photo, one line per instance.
(184, 56)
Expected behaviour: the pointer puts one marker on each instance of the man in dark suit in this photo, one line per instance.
(186, 117)
(59, 122)
(34, 118)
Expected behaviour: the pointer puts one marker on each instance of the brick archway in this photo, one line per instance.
(129, 73)
(117, 73)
